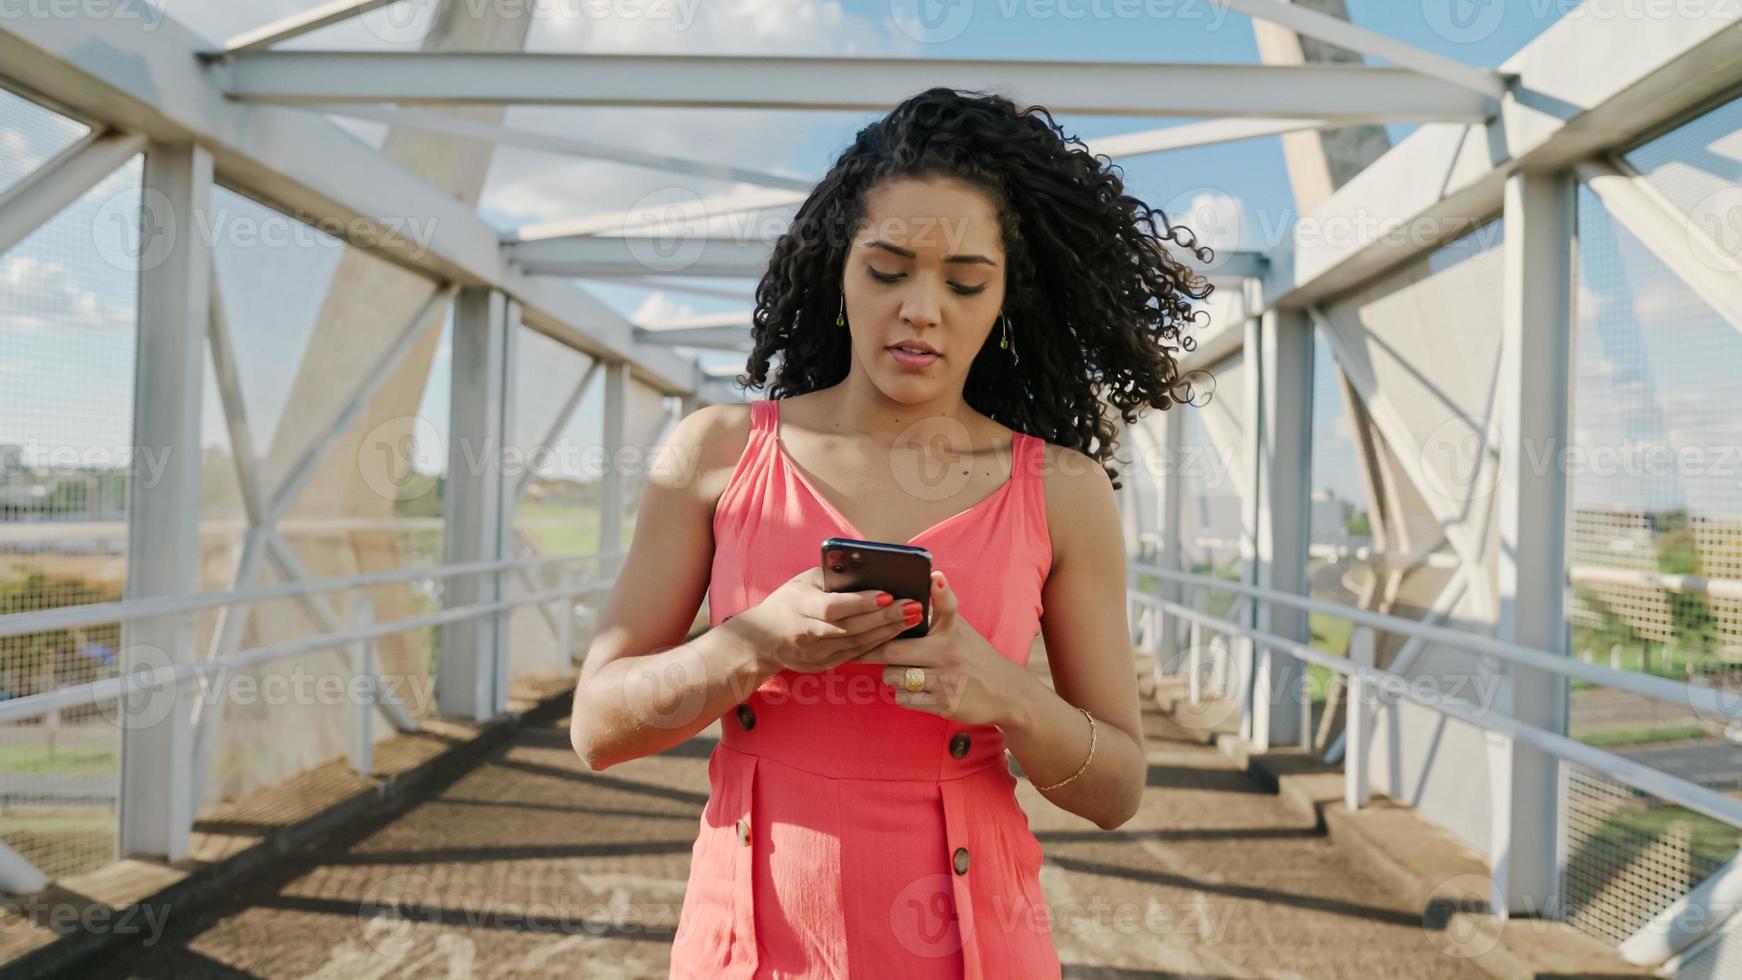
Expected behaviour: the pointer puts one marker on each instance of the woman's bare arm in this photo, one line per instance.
(642, 689)
(1088, 650)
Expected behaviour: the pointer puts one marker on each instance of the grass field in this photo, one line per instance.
(71, 760)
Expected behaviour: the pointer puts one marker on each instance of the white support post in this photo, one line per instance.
(156, 808)
(1357, 791)
(476, 495)
(1168, 554)
(363, 668)
(1284, 519)
(1251, 449)
(565, 611)
(1503, 790)
(508, 503)
(611, 484)
(1533, 387)
(18, 875)
(1195, 652)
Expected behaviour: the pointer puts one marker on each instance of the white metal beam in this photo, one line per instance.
(1284, 371)
(1335, 92)
(674, 286)
(611, 482)
(734, 338)
(475, 500)
(734, 318)
(156, 811)
(70, 175)
(296, 25)
(1534, 391)
(1187, 135)
(620, 255)
(702, 256)
(663, 220)
(451, 125)
(1335, 30)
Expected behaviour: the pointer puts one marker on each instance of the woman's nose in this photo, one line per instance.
(920, 306)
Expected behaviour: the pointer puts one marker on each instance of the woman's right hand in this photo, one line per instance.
(802, 627)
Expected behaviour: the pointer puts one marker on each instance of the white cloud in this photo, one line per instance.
(44, 295)
(659, 306)
(15, 150)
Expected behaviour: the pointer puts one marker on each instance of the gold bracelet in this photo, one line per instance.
(1086, 761)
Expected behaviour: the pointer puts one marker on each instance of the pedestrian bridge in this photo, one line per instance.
(318, 460)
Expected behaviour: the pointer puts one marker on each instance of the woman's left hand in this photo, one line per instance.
(966, 678)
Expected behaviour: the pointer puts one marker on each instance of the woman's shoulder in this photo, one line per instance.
(706, 445)
(1077, 493)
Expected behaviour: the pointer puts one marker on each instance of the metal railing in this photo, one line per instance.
(1667, 934)
(19, 876)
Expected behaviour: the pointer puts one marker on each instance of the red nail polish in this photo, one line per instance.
(884, 599)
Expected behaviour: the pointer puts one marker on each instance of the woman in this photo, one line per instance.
(965, 291)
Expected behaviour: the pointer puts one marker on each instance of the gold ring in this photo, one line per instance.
(914, 680)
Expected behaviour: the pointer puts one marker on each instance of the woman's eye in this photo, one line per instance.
(893, 276)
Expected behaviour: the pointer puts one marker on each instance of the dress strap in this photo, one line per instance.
(762, 415)
(1028, 458)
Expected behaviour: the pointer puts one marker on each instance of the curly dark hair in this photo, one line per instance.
(1091, 291)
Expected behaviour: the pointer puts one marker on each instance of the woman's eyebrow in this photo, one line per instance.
(906, 254)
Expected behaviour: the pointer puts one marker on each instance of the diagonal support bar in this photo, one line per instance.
(1335, 30)
(377, 375)
(70, 175)
(449, 125)
(296, 25)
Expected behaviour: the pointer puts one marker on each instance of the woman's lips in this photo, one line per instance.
(908, 359)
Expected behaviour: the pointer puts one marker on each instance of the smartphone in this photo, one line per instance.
(902, 570)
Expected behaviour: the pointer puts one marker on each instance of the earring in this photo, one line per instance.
(841, 317)
(1004, 341)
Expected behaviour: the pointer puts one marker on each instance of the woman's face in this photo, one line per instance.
(926, 268)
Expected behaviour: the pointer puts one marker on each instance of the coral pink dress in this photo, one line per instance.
(846, 836)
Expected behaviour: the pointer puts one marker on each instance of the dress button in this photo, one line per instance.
(746, 717)
(959, 744)
(961, 860)
(744, 832)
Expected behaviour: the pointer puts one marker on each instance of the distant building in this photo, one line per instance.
(1330, 518)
